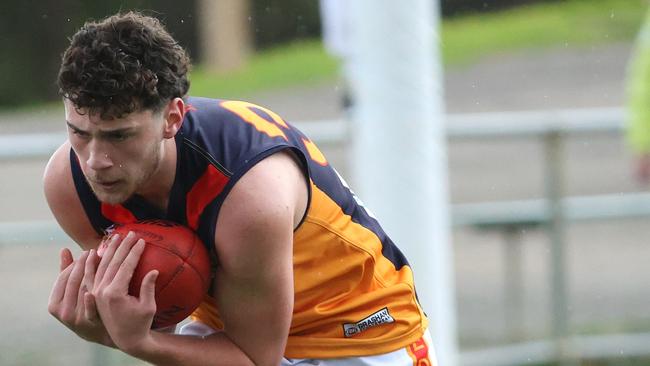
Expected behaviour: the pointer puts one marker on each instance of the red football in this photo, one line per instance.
(183, 265)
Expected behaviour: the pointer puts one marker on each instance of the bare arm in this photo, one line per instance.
(64, 202)
(255, 247)
(254, 282)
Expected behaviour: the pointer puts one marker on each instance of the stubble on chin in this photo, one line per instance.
(111, 198)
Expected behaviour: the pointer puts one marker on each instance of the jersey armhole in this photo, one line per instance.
(215, 207)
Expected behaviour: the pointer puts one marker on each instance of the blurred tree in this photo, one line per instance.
(278, 21)
(34, 34)
(224, 33)
(457, 7)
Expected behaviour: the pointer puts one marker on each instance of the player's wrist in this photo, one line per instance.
(107, 341)
(104, 341)
(142, 348)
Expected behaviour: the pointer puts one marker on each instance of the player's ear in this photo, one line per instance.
(174, 115)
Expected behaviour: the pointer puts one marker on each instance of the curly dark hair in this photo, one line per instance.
(122, 64)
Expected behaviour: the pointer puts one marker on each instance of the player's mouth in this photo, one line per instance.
(107, 185)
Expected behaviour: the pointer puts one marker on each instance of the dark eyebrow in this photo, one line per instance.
(114, 132)
(75, 128)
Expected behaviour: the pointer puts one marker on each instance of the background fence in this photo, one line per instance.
(542, 146)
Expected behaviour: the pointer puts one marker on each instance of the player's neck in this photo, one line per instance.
(157, 190)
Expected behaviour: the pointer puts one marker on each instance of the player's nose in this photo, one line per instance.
(98, 157)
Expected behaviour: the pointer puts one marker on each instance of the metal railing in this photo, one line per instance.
(551, 214)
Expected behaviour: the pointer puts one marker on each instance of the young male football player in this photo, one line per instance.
(303, 273)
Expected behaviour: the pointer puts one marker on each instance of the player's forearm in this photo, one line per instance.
(163, 349)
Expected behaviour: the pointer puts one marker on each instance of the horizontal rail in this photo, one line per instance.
(472, 125)
(544, 351)
(535, 123)
(487, 215)
(31, 233)
(29, 146)
(537, 212)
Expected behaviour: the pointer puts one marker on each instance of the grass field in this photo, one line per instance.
(298, 63)
(574, 23)
(465, 39)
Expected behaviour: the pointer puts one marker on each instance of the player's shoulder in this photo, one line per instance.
(234, 133)
(63, 200)
(207, 117)
(228, 108)
(268, 201)
(276, 183)
(57, 177)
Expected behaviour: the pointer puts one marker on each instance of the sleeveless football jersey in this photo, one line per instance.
(354, 291)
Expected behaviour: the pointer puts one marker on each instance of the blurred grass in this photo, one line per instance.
(465, 39)
(573, 23)
(302, 62)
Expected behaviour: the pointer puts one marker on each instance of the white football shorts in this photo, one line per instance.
(419, 353)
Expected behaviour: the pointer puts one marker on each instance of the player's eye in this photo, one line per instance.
(118, 136)
(80, 134)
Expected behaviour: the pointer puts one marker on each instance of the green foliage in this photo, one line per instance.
(465, 39)
(574, 23)
(35, 34)
(452, 8)
(280, 21)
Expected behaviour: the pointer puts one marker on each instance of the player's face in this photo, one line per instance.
(118, 157)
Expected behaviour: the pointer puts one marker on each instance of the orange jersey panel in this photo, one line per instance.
(342, 279)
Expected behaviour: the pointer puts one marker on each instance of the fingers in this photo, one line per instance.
(66, 259)
(70, 297)
(58, 290)
(107, 255)
(127, 266)
(87, 282)
(90, 269)
(90, 307)
(148, 288)
(121, 253)
(102, 247)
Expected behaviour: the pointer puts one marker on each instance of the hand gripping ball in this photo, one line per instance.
(183, 265)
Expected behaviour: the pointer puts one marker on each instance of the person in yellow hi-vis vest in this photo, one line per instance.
(638, 101)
